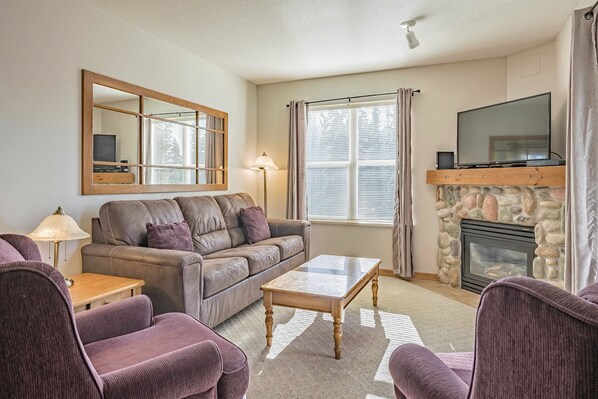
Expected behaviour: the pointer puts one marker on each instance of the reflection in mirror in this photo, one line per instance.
(138, 140)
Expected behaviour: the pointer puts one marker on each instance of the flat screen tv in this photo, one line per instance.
(508, 133)
(104, 150)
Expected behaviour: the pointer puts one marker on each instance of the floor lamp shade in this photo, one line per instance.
(264, 163)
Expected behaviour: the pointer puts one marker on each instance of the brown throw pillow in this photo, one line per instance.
(255, 223)
(176, 235)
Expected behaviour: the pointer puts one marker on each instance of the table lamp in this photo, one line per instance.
(58, 227)
(264, 163)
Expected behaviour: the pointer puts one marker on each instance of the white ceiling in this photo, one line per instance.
(267, 41)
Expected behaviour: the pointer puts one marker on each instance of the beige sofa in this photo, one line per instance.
(224, 273)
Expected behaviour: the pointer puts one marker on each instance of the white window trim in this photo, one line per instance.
(352, 165)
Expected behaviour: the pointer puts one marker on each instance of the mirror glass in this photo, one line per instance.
(137, 140)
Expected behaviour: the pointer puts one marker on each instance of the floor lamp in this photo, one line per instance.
(58, 227)
(264, 163)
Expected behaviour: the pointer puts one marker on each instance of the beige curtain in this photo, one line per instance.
(214, 149)
(402, 228)
(581, 231)
(296, 193)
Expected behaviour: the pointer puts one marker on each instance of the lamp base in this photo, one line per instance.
(69, 282)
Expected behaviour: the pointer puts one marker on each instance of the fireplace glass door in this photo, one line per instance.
(494, 250)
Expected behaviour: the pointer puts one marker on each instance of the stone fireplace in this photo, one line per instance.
(540, 208)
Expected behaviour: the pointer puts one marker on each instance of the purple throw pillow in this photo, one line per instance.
(176, 235)
(8, 253)
(255, 223)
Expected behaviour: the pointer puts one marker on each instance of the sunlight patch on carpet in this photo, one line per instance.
(286, 333)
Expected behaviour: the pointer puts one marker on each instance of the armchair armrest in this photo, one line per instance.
(287, 227)
(419, 374)
(173, 279)
(114, 319)
(179, 374)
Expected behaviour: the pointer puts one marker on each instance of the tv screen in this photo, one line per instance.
(506, 133)
(104, 150)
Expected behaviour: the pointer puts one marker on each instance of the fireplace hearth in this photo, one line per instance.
(494, 250)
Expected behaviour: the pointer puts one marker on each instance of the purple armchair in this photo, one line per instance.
(533, 340)
(115, 351)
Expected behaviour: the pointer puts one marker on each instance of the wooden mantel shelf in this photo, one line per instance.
(551, 176)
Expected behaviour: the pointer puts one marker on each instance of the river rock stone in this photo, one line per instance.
(446, 251)
(504, 216)
(550, 204)
(453, 276)
(528, 201)
(523, 219)
(551, 214)
(474, 190)
(515, 209)
(551, 226)
(453, 230)
(479, 200)
(463, 213)
(547, 252)
(441, 228)
(457, 193)
(490, 208)
(450, 198)
(508, 200)
(540, 234)
(512, 190)
(443, 240)
(552, 262)
(552, 272)
(440, 205)
(441, 195)
(469, 201)
(443, 277)
(543, 192)
(443, 213)
(485, 190)
(439, 258)
(558, 194)
(538, 267)
(475, 214)
(464, 191)
(452, 260)
(455, 248)
(496, 190)
(555, 239)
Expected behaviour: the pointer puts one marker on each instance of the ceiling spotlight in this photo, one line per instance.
(411, 39)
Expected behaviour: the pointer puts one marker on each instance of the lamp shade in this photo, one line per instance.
(264, 162)
(57, 227)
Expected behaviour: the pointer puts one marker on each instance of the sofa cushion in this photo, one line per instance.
(175, 235)
(221, 273)
(255, 224)
(259, 258)
(124, 222)
(231, 205)
(126, 350)
(8, 253)
(287, 245)
(206, 222)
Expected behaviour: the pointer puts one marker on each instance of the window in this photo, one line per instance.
(351, 152)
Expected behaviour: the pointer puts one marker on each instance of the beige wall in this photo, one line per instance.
(446, 90)
(44, 45)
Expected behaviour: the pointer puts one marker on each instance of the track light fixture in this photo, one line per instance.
(411, 39)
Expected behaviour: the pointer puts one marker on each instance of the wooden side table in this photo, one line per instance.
(92, 290)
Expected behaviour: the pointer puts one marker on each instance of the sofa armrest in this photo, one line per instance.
(287, 227)
(173, 279)
(419, 374)
(114, 319)
(179, 374)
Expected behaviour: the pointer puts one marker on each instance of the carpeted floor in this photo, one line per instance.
(301, 364)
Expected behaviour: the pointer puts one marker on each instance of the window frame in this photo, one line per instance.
(352, 165)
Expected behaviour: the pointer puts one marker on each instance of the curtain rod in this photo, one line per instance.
(590, 14)
(352, 97)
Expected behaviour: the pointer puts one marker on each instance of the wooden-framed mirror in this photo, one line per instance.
(137, 140)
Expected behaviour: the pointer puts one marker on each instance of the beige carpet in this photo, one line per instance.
(301, 364)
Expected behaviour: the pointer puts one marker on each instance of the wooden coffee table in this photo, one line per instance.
(327, 284)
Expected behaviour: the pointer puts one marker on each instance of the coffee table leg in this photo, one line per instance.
(269, 319)
(337, 315)
(375, 289)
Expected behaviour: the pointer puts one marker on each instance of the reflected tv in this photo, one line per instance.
(104, 150)
(508, 133)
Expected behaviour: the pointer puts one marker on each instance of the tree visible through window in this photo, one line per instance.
(351, 155)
